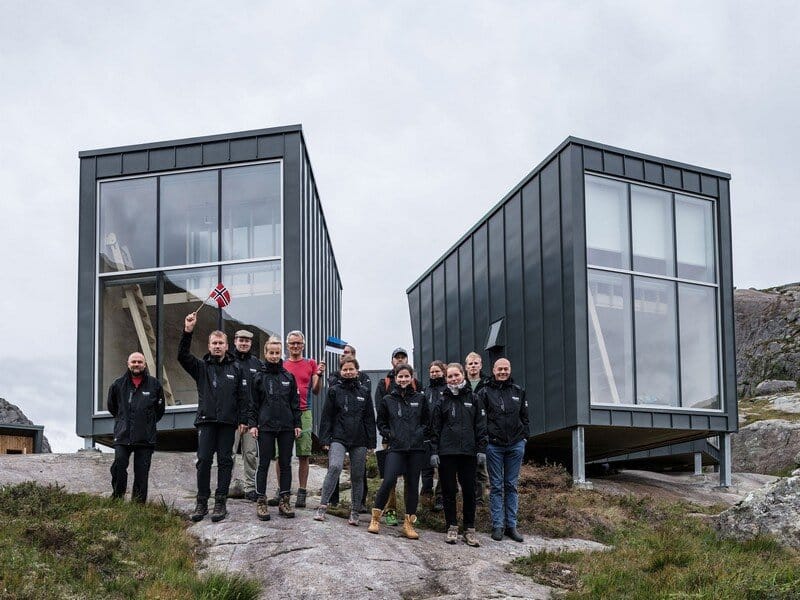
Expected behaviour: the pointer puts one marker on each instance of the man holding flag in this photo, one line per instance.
(222, 396)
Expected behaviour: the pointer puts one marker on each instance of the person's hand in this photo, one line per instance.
(189, 322)
(254, 432)
(481, 459)
(321, 368)
(326, 448)
(242, 428)
(435, 461)
(297, 432)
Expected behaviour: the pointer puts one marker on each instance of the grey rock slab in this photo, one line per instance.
(789, 403)
(303, 558)
(775, 386)
(766, 446)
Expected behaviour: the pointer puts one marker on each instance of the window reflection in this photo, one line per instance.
(656, 342)
(188, 219)
(651, 227)
(127, 225)
(256, 290)
(698, 334)
(183, 293)
(128, 321)
(610, 338)
(694, 219)
(607, 223)
(251, 217)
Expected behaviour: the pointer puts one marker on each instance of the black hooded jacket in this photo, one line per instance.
(404, 420)
(136, 410)
(506, 412)
(458, 424)
(222, 394)
(275, 404)
(249, 364)
(434, 391)
(348, 416)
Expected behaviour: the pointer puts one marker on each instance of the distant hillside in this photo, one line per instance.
(767, 335)
(13, 415)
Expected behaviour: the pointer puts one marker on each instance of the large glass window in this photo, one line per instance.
(188, 219)
(251, 212)
(652, 310)
(699, 346)
(651, 229)
(127, 225)
(656, 342)
(610, 338)
(128, 323)
(694, 220)
(167, 225)
(607, 223)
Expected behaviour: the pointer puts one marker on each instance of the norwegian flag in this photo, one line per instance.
(221, 295)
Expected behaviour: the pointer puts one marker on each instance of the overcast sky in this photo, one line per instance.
(419, 116)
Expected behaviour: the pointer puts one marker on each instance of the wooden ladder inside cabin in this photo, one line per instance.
(141, 318)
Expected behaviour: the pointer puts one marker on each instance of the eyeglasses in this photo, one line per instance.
(294, 343)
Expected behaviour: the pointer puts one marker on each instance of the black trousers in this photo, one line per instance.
(409, 465)
(214, 438)
(335, 495)
(462, 468)
(266, 452)
(141, 471)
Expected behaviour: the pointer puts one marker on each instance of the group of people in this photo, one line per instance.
(458, 425)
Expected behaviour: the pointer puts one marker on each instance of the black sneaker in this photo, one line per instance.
(513, 534)
(497, 534)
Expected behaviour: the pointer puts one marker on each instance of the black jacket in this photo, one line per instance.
(248, 363)
(222, 395)
(136, 410)
(434, 391)
(275, 404)
(348, 416)
(458, 424)
(386, 385)
(404, 420)
(506, 412)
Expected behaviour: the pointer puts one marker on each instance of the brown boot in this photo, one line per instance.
(408, 527)
(285, 508)
(375, 521)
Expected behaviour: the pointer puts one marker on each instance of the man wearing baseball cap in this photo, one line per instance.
(249, 364)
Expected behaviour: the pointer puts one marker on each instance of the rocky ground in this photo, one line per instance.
(302, 558)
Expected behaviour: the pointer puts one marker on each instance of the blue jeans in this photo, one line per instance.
(504, 463)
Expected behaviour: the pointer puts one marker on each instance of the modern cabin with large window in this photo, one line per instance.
(605, 277)
(160, 225)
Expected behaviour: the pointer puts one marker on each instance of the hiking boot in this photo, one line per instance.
(512, 533)
(262, 509)
(252, 495)
(408, 527)
(275, 500)
(284, 507)
(375, 521)
(452, 534)
(470, 538)
(320, 514)
(220, 509)
(497, 534)
(438, 504)
(300, 501)
(391, 517)
(200, 510)
(353, 520)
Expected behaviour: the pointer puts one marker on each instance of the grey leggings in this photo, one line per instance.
(358, 458)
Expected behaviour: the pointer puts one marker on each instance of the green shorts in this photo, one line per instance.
(302, 445)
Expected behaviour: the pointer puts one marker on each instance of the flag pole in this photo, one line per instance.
(202, 304)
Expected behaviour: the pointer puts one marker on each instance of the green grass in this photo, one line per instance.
(60, 545)
(761, 409)
(661, 551)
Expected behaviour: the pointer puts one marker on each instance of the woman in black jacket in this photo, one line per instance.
(274, 415)
(458, 444)
(347, 425)
(403, 420)
(436, 385)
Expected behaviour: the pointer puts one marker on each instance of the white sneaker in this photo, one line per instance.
(320, 514)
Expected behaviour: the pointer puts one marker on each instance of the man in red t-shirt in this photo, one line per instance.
(308, 375)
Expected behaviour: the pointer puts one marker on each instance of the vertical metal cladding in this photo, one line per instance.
(525, 262)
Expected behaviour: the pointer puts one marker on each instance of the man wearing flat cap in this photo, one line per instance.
(249, 364)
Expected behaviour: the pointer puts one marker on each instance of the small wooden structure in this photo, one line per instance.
(21, 439)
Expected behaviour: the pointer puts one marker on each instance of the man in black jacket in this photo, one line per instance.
(250, 365)
(136, 400)
(222, 399)
(508, 427)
